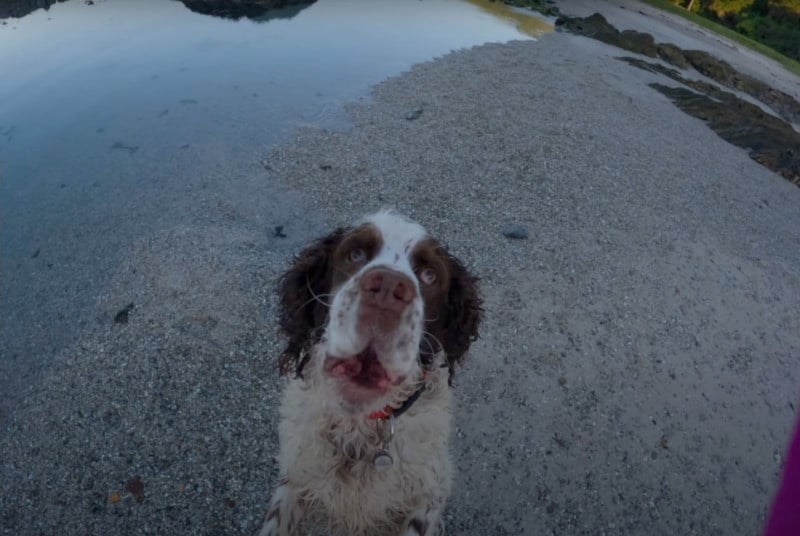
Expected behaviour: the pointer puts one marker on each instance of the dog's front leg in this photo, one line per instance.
(426, 521)
(285, 511)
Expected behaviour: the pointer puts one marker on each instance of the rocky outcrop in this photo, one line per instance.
(253, 9)
(770, 140)
(722, 72)
(597, 27)
(20, 8)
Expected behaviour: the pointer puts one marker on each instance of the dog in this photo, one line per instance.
(377, 317)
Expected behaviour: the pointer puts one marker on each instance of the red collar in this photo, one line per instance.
(384, 413)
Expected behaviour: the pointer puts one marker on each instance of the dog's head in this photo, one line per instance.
(377, 301)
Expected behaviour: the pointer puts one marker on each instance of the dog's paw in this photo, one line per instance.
(285, 512)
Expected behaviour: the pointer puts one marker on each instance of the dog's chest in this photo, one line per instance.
(353, 493)
(332, 461)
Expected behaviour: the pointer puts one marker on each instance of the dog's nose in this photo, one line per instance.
(388, 289)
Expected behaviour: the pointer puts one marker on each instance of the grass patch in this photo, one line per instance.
(790, 64)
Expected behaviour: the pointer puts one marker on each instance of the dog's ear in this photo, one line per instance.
(303, 293)
(463, 314)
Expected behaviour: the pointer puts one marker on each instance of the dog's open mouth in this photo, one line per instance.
(363, 369)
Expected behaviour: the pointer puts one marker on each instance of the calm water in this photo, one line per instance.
(122, 118)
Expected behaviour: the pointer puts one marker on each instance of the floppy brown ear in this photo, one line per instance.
(303, 297)
(463, 317)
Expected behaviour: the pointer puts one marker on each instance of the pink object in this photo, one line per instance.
(784, 519)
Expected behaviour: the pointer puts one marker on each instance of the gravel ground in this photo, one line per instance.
(637, 371)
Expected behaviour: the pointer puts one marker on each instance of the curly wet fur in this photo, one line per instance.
(328, 456)
(303, 293)
(464, 308)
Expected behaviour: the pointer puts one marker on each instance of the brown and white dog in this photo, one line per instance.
(377, 317)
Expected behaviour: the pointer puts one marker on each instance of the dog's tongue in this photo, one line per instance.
(364, 365)
(346, 367)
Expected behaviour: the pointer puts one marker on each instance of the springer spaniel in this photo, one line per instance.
(377, 316)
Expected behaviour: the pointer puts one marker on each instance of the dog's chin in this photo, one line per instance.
(357, 402)
(361, 381)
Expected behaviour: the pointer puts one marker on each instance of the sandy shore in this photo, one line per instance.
(637, 372)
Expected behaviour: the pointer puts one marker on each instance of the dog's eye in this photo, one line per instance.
(427, 276)
(358, 256)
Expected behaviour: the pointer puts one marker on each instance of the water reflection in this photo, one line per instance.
(522, 19)
(20, 8)
(258, 10)
(124, 118)
(232, 9)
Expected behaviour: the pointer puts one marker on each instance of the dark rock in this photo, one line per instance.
(597, 27)
(135, 487)
(122, 316)
(704, 87)
(640, 42)
(672, 54)
(706, 64)
(20, 8)
(769, 140)
(515, 231)
(35, 254)
(279, 231)
(414, 114)
(130, 148)
(259, 10)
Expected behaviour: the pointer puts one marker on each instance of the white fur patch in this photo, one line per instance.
(399, 236)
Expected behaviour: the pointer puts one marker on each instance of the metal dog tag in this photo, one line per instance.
(382, 461)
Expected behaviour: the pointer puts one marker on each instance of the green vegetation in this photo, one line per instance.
(771, 27)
